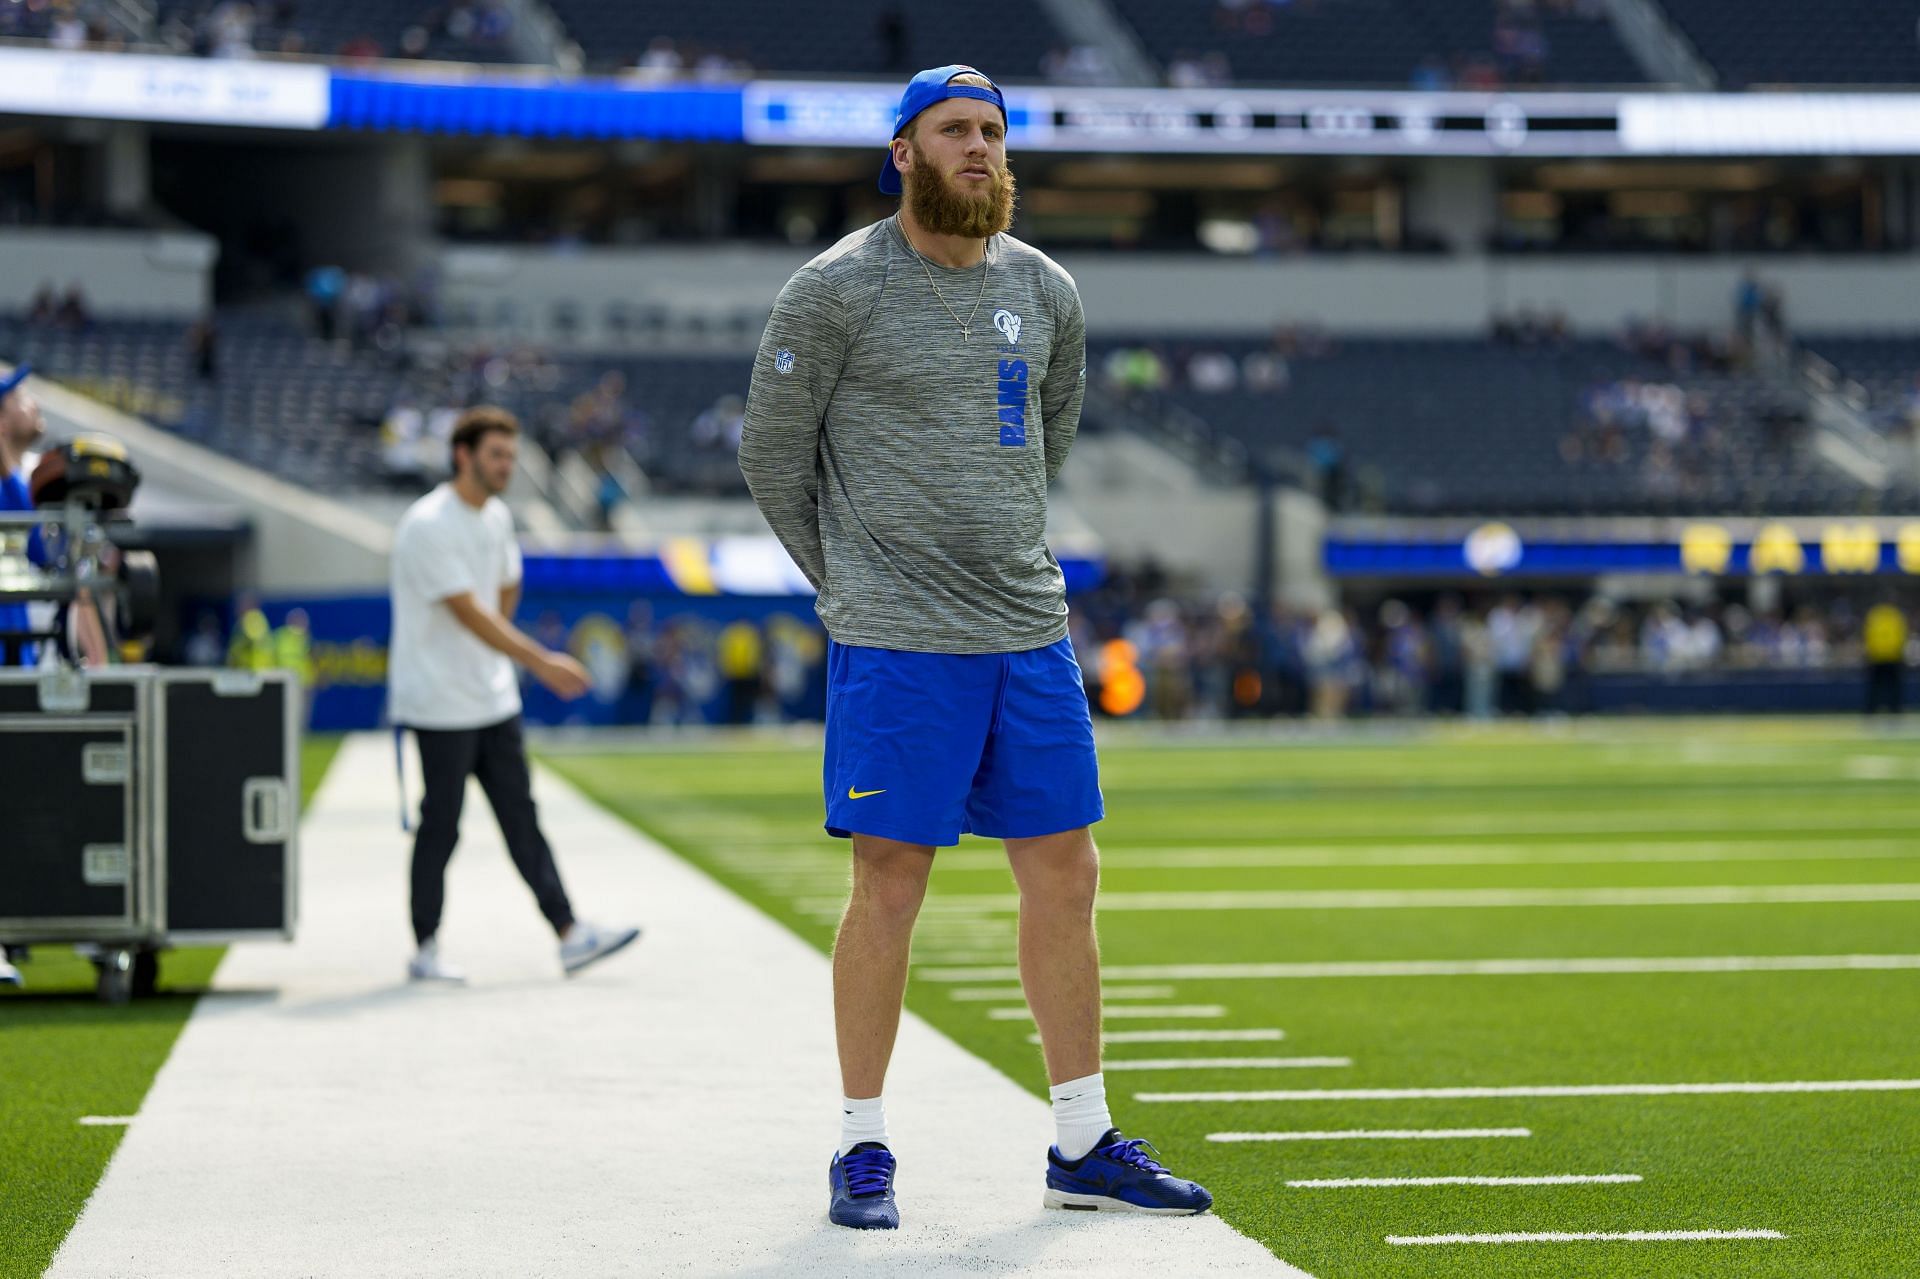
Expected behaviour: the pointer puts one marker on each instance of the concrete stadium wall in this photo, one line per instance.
(1156, 293)
(1142, 502)
(154, 274)
(302, 542)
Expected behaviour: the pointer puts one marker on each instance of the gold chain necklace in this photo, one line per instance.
(966, 325)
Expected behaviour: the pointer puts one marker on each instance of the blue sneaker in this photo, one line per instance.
(861, 1182)
(1118, 1175)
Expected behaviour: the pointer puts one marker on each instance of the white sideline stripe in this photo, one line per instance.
(1615, 1236)
(1267, 1035)
(1122, 1011)
(1540, 1090)
(105, 1121)
(1468, 968)
(1229, 1063)
(1007, 994)
(317, 1052)
(1559, 1179)
(1375, 1134)
(1467, 898)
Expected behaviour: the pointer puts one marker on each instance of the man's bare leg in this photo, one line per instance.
(1059, 876)
(870, 956)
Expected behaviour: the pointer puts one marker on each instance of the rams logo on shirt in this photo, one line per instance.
(1013, 404)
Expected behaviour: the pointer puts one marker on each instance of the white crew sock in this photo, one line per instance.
(1080, 1115)
(862, 1119)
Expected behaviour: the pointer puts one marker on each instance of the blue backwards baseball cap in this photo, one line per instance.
(923, 91)
(21, 373)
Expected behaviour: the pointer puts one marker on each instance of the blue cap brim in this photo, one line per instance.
(20, 374)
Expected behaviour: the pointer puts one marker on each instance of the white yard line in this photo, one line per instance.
(524, 1125)
(1612, 823)
(1229, 1063)
(1541, 1090)
(1461, 898)
(1122, 1011)
(1012, 994)
(1465, 968)
(1291, 856)
(1559, 1179)
(1266, 1034)
(1375, 1134)
(1616, 1236)
(104, 1121)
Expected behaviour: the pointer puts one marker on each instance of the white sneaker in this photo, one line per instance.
(9, 975)
(428, 966)
(587, 943)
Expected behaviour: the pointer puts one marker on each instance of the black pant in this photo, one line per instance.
(1884, 687)
(497, 755)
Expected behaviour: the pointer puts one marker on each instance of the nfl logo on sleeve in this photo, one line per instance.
(783, 361)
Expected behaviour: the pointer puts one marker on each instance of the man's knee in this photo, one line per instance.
(1058, 873)
(891, 881)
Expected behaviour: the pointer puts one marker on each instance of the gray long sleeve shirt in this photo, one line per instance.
(904, 467)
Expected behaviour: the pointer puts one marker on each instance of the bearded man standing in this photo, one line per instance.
(918, 387)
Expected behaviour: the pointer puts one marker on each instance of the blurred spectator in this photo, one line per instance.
(741, 658)
(74, 313)
(1164, 649)
(890, 28)
(1885, 646)
(45, 308)
(251, 648)
(1330, 654)
(203, 344)
(1512, 629)
(205, 647)
(637, 696)
(1432, 75)
(661, 60)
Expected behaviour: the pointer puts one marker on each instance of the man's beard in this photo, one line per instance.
(942, 206)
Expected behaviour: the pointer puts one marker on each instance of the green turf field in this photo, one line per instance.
(1407, 857)
(63, 1054)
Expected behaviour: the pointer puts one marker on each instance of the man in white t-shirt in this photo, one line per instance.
(456, 580)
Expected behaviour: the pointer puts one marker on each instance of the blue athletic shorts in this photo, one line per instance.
(926, 747)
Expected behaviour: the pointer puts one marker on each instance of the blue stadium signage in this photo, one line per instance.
(520, 103)
(1839, 547)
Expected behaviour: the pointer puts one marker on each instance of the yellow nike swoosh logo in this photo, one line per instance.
(862, 794)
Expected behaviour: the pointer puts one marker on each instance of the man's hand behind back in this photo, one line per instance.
(563, 676)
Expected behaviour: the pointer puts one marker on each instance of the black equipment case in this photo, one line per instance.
(144, 806)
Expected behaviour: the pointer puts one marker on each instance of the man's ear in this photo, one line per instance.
(902, 154)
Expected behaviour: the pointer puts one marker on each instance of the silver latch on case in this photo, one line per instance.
(104, 764)
(266, 814)
(104, 865)
(64, 691)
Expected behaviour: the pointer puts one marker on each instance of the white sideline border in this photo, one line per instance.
(1549, 1179)
(1374, 1134)
(378, 1130)
(1541, 1090)
(1599, 966)
(1227, 1063)
(1459, 898)
(1123, 1012)
(1261, 1035)
(1597, 1236)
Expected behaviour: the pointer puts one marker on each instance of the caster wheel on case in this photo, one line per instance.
(116, 976)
